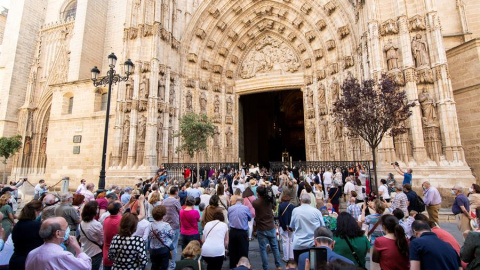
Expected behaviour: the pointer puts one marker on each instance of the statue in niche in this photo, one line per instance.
(161, 88)
(203, 102)
(392, 55)
(160, 128)
(419, 50)
(143, 93)
(142, 127)
(310, 98)
(216, 105)
(229, 137)
(43, 147)
(335, 91)
(324, 129)
(27, 146)
(126, 129)
(171, 95)
(129, 91)
(311, 133)
(188, 101)
(321, 94)
(338, 132)
(428, 105)
(229, 106)
(216, 137)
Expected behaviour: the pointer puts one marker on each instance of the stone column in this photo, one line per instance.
(152, 112)
(132, 143)
(166, 125)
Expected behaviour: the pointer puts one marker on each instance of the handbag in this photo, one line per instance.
(354, 253)
(86, 236)
(159, 239)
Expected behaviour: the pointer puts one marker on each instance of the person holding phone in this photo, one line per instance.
(323, 238)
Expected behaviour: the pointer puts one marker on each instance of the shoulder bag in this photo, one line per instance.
(159, 239)
(374, 227)
(86, 236)
(211, 229)
(354, 253)
(285, 209)
(330, 199)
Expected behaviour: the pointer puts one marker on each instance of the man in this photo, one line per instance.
(407, 174)
(432, 200)
(125, 198)
(110, 229)
(348, 188)
(399, 201)
(441, 233)
(412, 198)
(81, 188)
(266, 233)
(187, 173)
(461, 209)
(290, 191)
(354, 209)
(323, 238)
(243, 264)
(195, 192)
(172, 217)
(50, 204)
(88, 193)
(69, 213)
(428, 252)
(40, 188)
(54, 231)
(229, 178)
(327, 179)
(305, 219)
(238, 216)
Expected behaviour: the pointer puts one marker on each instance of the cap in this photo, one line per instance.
(128, 189)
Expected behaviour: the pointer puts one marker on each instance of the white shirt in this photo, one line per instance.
(205, 199)
(103, 217)
(363, 178)
(214, 232)
(327, 178)
(384, 191)
(240, 186)
(143, 229)
(349, 187)
(94, 232)
(360, 195)
(39, 190)
(7, 251)
(88, 195)
(81, 188)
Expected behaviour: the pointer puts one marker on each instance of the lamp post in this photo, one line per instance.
(111, 78)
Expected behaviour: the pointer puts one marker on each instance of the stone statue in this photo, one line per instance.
(188, 100)
(43, 148)
(392, 55)
(203, 102)
(27, 146)
(161, 88)
(324, 129)
(310, 98)
(142, 127)
(216, 105)
(171, 95)
(321, 93)
(311, 133)
(216, 137)
(160, 129)
(229, 138)
(129, 91)
(144, 88)
(229, 106)
(419, 50)
(428, 108)
(338, 131)
(126, 129)
(335, 91)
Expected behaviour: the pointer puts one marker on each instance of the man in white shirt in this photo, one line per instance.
(327, 178)
(88, 193)
(194, 192)
(40, 188)
(81, 188)
(348, 188)
(383, 190)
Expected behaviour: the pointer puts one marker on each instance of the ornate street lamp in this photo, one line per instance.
(111, 78)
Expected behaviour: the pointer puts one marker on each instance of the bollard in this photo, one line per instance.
(65, 183)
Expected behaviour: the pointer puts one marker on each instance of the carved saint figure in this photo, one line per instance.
(216, 105)
(229, 106)
(338, 131)
(419, 50)
(335, 91)
(161, 89)
(428, 108)
(321, 93)
(311, 133)
(43, 148)
(144, 88)
(129, 91)
(392, 55)
(229, 137)
(324, 129)
(27, 146)
(309, 98)
(160, 129)
(142, 127)
(203, 102)
(188, 101)
(126, 129)
(171, 95)
(216, 137)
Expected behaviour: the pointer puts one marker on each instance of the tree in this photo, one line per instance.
(8, 147)
(372, 110)
(195, 129)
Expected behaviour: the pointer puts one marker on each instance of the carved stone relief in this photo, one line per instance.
(424, 76)
(416, 23)
(142, 121)
(216, 110)
(188, 101)
(428, 106)
(338, 131)
(419, 51)
(323, 129)
(311, 132)
(335, 88)
(229, 137)
(322, 102)
(144, 86)
(391, 52)
(269, 55)
(203, 103)
(389, 27)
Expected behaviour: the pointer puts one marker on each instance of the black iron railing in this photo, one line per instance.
(177, 170)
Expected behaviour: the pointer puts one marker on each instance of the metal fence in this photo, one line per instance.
(176, 170)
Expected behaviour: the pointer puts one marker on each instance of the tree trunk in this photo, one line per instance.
(198, 167)
(374, 161)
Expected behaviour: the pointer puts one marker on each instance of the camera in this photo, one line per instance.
(394, 163)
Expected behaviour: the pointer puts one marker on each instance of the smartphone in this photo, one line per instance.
(137, 196)
(317, 257)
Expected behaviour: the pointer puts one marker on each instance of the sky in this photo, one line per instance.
(5, 3)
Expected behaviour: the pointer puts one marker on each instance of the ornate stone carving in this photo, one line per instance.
(221, 25)
(144, 86)
(229, 89)
(223, 52)
(343, 31)
(297, 22)
(335, 90)
(143, 105)
(229, 74)
(433, 142)
(161, 69)
(282, 13)
(145, 67)
(234, 36)
(307, 62)
(391, 52)
(308, 79)
(234, 59)
(322, 102)
(410, 75)
(229, 137)
(217, 69)
(267, 24)
(306, 8)
(330, 44)
(175, 43)
(188, 101)
(416, 23)
(281, 29)
(211, 44)
(216, 110)
(333, 68)
(348, 62)
(229, 109)
(147, 30)
(203, 85)
(419, 50)
(397, 76)
(330, 7)
(424, 76)
(193, 58)
(428, 106)
(127, 106)
(142, 124)
(321, 24)
(216, 137)
(338, 131)
(205, 64)
(389, 27)
(291, 37)
(217, 87)
(171, 94)
(190, 83)
(126, 128)
(200, 33)
(237, 9)
(165, 35)
(321, 74)
(311, 131)
(310, 36)
(318, 54)
(203, 103)
(241, 45)
(323, 123)
(302, 48)
(269, 54)
(214, 12)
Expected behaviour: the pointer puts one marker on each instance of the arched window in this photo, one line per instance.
(70, 11)
(70, 105)
(103, 104)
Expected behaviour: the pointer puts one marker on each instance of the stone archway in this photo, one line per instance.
(239, 47)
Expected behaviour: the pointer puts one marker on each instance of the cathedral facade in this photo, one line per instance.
(204, 55)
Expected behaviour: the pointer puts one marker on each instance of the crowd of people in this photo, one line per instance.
(214, 220)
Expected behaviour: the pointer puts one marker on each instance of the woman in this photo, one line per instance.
(334, 195)
(152, 202)
(248, 198)
(360, 190)
(236, 194)
(383, 191)
(337, 178)
(91, 234)
(319, 195)
(127, 251)
(391, 251)
(8, 220)
(191, 259)
(161, 238)
(253, 186)
(211, 209)
(470, 252)
(308, 190)
(223, 202)
(25, 234)
(474, 197)
(215, 233)
(373, 220)
(189, 218)
(102, 204)
(205, 197)
(285, 216)
(350, 240)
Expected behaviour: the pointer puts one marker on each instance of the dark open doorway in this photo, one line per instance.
(269, 123)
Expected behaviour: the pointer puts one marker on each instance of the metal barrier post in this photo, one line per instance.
(65, 183)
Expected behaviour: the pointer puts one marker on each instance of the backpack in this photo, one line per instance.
(420, 205)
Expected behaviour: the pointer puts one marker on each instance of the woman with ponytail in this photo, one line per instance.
(391, 251)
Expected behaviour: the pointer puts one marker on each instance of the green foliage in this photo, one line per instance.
(195, 129)
(9, 146)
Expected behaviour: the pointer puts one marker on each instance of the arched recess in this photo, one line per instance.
(222, 34)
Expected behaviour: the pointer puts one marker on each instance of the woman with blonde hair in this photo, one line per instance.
(319, 195)
(152, 202)
(191, 254)
(8, 220)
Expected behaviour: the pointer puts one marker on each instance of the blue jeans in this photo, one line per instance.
(265, 238)
(175, 248)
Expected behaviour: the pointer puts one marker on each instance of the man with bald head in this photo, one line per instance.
(51, 255)
(50, 203)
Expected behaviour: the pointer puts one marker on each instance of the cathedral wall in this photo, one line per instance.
(473, 17)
